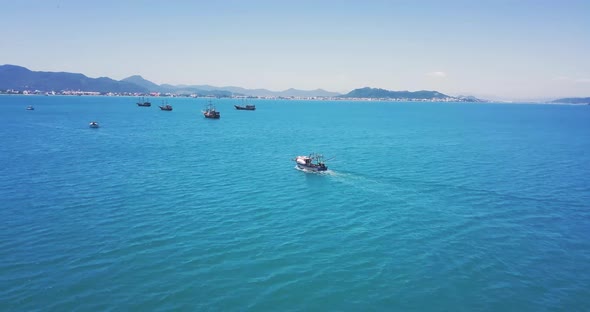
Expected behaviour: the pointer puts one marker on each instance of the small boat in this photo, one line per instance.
(142, 102)
(93, 124)
(165, 107)
(30, 107)
(246, 107)
(313, 162)
(211, 112)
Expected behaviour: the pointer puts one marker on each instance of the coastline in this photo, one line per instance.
(332, 99)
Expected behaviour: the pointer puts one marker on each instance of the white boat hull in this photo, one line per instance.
(306, 163)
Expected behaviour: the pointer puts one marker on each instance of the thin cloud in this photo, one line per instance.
(437, 74)
(570, 79)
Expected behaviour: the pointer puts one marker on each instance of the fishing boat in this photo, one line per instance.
(142, 102)
(211, 112)
(165, 107)
(313, 162)
(93, 124)
(245, 107)
(30, 107)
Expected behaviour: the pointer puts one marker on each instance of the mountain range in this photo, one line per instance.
(19, 78)
(229, 90)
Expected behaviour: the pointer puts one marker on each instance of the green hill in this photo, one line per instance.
(386, 94)
(20, 78)
(573, 100)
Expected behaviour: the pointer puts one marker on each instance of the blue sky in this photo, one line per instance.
(495, 49)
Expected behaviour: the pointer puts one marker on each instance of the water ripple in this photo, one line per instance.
(426, 207)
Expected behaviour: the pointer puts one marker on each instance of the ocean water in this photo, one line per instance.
(425, 207)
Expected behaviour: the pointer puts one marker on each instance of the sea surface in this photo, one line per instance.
(425, 207)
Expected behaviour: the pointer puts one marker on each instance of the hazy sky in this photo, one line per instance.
(520, 49)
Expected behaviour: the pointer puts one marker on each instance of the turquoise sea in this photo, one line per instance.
(426, 206)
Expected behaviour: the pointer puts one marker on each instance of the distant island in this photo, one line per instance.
(572, 101)
(423, 95)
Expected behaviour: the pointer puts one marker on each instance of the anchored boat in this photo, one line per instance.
(313, 162)
(30, 107)
(166, 107)
(93, 124)
(246, 107)
(142, 102)
(211, 112)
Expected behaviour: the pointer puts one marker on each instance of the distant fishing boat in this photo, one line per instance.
(143, 102)
(30, 107)
(165, 107)
(246, 107)
(313, 162)
(211, 112)
(93, 124)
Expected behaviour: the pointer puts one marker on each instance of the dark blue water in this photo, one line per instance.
(426, 206)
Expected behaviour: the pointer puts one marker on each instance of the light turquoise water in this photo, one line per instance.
(427, 206)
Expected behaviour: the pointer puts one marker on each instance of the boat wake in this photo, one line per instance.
(326, 172)
(362, 183)
(384, 188)
(353, 180)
